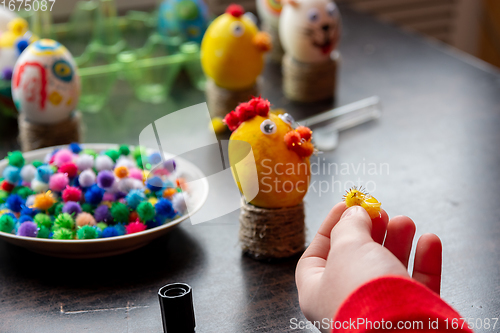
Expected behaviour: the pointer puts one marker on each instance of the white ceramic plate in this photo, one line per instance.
(104, 247)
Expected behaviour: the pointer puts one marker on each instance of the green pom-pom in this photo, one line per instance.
(56, 209)
(23, 191)
(86, 232)
(3, 196)
(138, 160)
(102, 225)
(63, 233)
(146, 211)
(37, 163)
(89, 152)
(138, 151)
(120, 212)
(113, 154)
(6, 223)
(54, 168)
(64, 221)
(87, 208)
(124, 150)
(43, 220)
(43, 232)
(16, 159)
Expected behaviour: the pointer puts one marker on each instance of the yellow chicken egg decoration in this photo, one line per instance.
(232, 50)
(45, 83)
(281, 152)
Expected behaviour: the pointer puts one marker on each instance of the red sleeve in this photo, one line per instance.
(384, 303)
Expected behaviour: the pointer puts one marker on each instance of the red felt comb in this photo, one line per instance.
(235, 10)
(245, 111)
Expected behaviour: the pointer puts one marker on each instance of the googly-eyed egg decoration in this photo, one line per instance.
(45, 82)
(309, 29)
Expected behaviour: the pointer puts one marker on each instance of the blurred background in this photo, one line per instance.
(472, 26)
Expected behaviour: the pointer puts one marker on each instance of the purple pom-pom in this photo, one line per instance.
(72, 207)
(105, 179)
(169, 165)
(28, 229)
(7, 74)
(102, 214)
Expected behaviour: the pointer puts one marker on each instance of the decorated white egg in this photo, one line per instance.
(45, 82)
(269, 11)
(309, 29)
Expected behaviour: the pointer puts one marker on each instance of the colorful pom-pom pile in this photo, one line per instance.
(79, 193)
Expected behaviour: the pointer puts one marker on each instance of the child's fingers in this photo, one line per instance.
(331, 219)
(428, 261)
(400, 232)
(379, 227)
(354, 228)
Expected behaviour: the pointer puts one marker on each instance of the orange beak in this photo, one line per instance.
(299, 141)
(262, 41)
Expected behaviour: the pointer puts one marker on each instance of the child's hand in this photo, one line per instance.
(347, 252)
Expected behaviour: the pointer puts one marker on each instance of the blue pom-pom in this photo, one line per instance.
(110, 232)
(75, 147)
(120, 227)
(25, 218)
(153, 223)
(29, 211)
(12, 174)
(43, 173)
(134, 198)
(164, 208)
(94, 195)
(155, 184)
(15, 203)
(21, 45)
(154, 158)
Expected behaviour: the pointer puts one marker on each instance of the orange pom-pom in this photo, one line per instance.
(292, 139)
(169, 192)
(181, 182)
(305, 132)
(121, 171)
(85, 219)
(44, 201)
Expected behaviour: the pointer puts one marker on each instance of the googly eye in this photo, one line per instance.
(313, 15)
(237, 29)
(251, 16)
(268, 127)
(287, 118)
(330, 9)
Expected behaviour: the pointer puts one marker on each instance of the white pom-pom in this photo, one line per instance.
(47, 158)
(30, 200)
(39, 186)
(84, 162)
(87, 178)
(128, 184)
(28, 172)
(103, 162)
(179, 202)
(125, 161)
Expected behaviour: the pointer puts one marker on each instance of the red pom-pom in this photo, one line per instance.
(235, 10)
(134, 227)
(296, 143)
(232, 121)
(245, 111)
(6, 186)
(71, 194)
(292, 139)
(133, 216)
(70, 169)
(305, 132)
(262, 107)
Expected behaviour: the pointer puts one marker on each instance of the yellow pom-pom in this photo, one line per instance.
(44, 201)
(218, 125)
(153, 201)
(355, 197)
(18, 26)
(121, 171)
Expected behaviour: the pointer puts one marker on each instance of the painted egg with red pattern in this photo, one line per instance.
(45, 82)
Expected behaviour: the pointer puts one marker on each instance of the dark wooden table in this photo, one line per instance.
(436, 155)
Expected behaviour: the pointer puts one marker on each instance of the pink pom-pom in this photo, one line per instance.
(69, 168)
(84, 219)
(123, 201)
(135, 173)
(62, 157)
(108, 197)
(134, 227)
(58, 182)
(71, 194)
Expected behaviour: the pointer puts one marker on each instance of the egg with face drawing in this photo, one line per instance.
(309, 29)
(45, 82)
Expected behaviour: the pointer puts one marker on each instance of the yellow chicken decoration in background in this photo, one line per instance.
(232, 50)
(281, 153)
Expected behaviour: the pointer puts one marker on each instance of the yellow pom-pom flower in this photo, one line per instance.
(355, 197)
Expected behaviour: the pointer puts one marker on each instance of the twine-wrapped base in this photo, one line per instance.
(221, 101)
(276, 52)
(272, 233)
(303, 82)
(34, 136)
